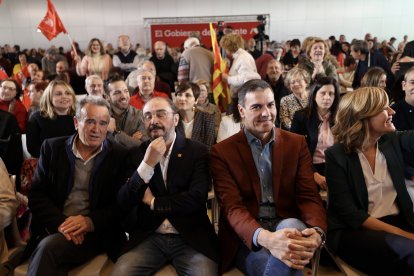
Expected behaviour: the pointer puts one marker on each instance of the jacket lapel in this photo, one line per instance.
(247, 157)
(277, 161)
(175, 157)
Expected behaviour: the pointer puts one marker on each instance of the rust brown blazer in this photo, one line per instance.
(237, 187)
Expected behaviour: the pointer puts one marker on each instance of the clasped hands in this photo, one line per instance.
(293, 247)
(74, 228)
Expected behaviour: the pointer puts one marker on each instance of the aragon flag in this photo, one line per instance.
(51, 25)
(221, 90)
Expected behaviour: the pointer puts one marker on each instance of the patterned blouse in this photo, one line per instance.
(288, 106)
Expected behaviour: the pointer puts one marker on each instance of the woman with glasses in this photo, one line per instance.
(10, 92)
(54, 118)
(315, 122)
(194, 124)
(297, 80)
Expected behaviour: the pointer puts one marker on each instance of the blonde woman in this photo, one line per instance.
(317, 60)
(95, 62)
(54, 118)
(297, 80)
(370, 213)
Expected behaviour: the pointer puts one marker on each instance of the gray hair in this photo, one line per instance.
(92, 77)
(93, 100)
(191, 42)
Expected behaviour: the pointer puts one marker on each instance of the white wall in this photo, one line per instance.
(106, 19)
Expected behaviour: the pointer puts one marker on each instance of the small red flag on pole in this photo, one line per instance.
(51, 25)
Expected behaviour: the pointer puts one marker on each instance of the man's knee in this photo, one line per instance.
(291, 223)
(51, 244)
(198, 264)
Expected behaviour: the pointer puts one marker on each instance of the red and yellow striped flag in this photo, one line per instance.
(221, 90)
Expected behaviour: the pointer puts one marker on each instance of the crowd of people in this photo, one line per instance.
(125, 141)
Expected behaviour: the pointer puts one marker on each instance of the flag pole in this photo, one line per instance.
(73, 44)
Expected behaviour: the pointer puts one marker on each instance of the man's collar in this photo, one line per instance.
(251, 139)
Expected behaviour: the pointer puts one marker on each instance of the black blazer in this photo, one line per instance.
(183, 202)
(309, 127)
(53, 182)
(348, 194)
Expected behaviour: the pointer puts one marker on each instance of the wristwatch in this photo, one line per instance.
(322, 234)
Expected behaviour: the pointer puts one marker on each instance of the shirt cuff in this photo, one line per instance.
(145, 171)
(255, 235)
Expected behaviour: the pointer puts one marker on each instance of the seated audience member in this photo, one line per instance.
(35, 93)
(291, 58)
(275, 79)
(273, 52)
(10, 92)
(229, 126)
(8, 208)
(75, 81)
(251, 48)
(204, 104)
(347, 76)
(146, 91)
(166, 198)
(50, 59)
(94, 86)
(270, 220)
(132, 82)
(375, 77)
(95, 62)
(403, 118)
(73, 195)
(196, 62)
(317, 61)
(11, 150)
(297, 80)
(54, 118)
(127, 128)
(126, 59)
(315, 122)
(164, 64)
(366, 59)
(243, 66)
(370, 213)
(20, 70)
(193, 124)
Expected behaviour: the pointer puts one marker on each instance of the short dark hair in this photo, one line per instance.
(189, 85)
(19, 90)
(115, 77)
(250, 86)
(294, 42)
(360, 45)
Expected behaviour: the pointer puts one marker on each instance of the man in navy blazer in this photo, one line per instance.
(166, 201)
(73, 194)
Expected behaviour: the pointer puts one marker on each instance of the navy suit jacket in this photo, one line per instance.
(53, 182)
(348, 194)
(182, 200)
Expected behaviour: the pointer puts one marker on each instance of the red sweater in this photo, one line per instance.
(137, 102)
(19, 112)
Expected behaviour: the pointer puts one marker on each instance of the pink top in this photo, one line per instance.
(325, 139)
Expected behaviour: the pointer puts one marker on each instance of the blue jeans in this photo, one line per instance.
(263, 262)
(55, 255)
(158, 250)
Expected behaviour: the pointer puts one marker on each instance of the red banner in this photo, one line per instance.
(175, 34)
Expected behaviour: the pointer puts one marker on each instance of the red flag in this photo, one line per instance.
(51, 25)
(221, 90)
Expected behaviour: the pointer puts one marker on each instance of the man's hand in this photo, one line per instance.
(320, 180)
(137, 135)
(76, 225)
(290, 246)
(155, 152)
(111, 125)
(148, 196)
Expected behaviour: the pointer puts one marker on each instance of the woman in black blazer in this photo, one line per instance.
(315, 122)
(370, 213)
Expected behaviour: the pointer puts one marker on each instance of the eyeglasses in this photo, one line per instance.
(296, 81)
(8, 87)
(160, 114)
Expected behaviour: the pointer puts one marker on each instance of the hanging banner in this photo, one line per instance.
(175, 34)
